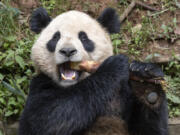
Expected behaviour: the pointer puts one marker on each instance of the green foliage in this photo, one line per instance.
(139, 36)
(9, 14)
(168, 3)
(10, 104)
(123, 2)
(151, 56)
(57, 6)
(173, 95)
(15, 67)
(173, 88)
(168, 30)
(117, 42)
(49, 5)
(173, 67)
(15, 90)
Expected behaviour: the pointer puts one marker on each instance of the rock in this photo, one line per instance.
(174, 129)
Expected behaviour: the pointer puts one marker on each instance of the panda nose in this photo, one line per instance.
(68, 51)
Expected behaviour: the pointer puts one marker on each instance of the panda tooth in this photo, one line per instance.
(63, 77)
(68, 78)
(74, 76)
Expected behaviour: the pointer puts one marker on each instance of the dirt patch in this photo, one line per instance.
(25, 5)
(92, 7)
(167, 51)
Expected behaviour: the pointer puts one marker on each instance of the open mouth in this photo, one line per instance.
(66, 73)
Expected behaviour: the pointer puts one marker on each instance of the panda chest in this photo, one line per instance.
(111, 123)
(113, 107)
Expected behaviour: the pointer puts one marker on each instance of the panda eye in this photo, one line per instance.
(56, 36)
(87, 43)
(51, 45)
(83, 36)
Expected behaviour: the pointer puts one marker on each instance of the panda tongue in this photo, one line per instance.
(67, 73)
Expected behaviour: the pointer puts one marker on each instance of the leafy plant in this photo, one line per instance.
(16, 67)
(173, 67)
(9, 14)
(49, 4)
(117, 42)
(173, 88)
(173, 95)
(15, 90)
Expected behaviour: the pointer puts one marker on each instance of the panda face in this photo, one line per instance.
(70, 37)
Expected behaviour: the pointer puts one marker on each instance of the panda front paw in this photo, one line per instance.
(146, 70)
(115, 66)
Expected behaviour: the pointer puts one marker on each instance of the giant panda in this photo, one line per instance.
(63, 101)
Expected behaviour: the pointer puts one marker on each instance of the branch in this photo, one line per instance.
(145, 6)
(131, 7)
(127, 11)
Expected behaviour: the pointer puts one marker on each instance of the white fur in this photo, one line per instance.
(70, 24)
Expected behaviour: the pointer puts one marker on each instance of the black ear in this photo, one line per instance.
(39, 20)
(110, 20)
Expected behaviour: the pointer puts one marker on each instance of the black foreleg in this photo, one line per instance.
(148, 118)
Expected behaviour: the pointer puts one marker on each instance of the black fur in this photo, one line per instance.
(110, 20)
(39, 20)
(87, 43)
(148, 118)
(51, 109)
(145, 70)
(51, 45)
(145, 121)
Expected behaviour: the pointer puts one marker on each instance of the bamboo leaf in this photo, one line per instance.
(173, 98)
(20, 61)
(13, 90)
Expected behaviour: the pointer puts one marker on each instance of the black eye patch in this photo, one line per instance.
(51, 45)
(87, 43)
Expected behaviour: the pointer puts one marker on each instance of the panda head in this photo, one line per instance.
(71, 37)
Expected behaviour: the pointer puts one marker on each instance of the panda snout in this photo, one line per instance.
(68, 52)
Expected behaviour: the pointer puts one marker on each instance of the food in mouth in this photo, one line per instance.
(66, 73)
(70, 71)
(87, 66)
